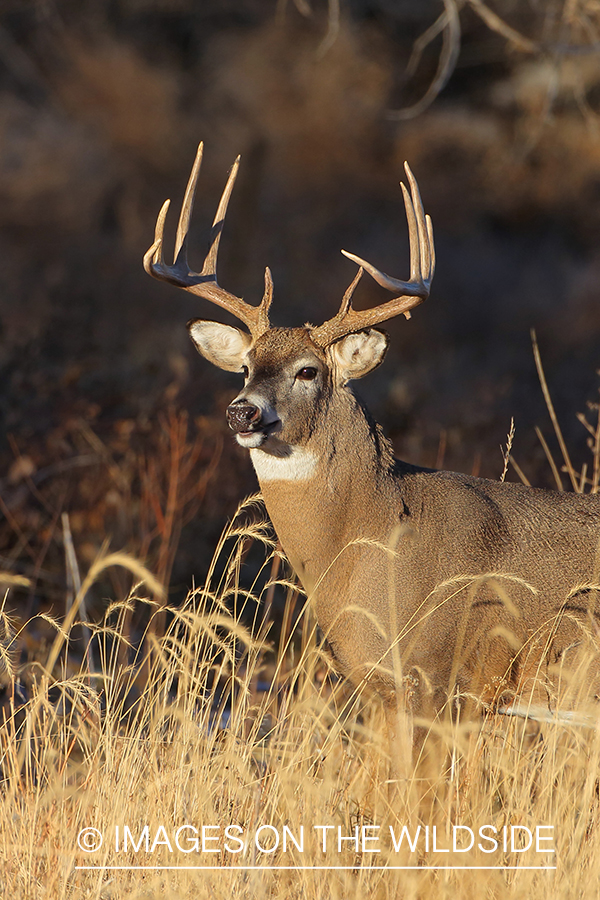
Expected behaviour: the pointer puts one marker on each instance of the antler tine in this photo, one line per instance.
(188, 204)
(265, 303)
(413, 235)
(431, 244)
(204, 283)
(421, 240)
(153, 258)
(210, 263)
(413, 292)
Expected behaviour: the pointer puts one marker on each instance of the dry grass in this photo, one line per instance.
(179, 734)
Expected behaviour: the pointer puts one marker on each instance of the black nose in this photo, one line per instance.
(243, 416)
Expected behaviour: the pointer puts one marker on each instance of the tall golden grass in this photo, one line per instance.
(210, 726)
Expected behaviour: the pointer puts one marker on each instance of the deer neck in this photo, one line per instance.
(329, 491)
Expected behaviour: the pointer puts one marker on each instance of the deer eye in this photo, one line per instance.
(308, 373)
(245, 371)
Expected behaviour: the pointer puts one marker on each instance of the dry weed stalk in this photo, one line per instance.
(580, 482)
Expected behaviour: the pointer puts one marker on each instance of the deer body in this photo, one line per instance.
(471, 584)
(372, 539)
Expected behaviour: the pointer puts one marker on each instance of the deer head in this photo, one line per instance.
(291, 374)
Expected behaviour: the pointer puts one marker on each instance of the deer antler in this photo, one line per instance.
(204, 283)
(413, 292)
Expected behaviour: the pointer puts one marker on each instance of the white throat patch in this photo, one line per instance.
(299, 465)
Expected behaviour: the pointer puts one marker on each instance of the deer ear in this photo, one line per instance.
(222, 345)
(357, 354)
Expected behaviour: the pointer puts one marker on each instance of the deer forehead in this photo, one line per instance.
(279, 348)
(285, 343)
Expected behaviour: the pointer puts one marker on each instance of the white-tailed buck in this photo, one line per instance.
(470, 586)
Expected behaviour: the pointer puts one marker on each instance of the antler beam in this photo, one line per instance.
(413, 292)
(204, 283)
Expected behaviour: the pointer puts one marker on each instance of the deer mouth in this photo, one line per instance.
(258, 434)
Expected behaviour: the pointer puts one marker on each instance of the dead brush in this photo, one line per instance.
(139, 486)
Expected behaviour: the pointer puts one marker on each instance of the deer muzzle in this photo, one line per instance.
(243, 417)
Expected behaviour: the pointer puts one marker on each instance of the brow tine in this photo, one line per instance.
(267, 298)
(347, 298)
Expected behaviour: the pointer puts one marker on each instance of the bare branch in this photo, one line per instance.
(333, 28)
(495, 23)
(446, 65)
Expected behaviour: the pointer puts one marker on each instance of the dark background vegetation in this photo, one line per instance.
(108, 414)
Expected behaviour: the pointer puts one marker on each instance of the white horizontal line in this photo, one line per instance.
(312, 868)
